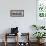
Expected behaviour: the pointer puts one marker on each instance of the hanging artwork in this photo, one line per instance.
(17, 13)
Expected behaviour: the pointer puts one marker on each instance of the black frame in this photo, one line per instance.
(17, 13)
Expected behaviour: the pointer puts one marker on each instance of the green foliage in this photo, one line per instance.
(41, 14)
(42, 10)
(35, 26)
(38, 27)
(39, 35)
(42, 27)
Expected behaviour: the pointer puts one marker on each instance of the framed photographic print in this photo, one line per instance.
(17, 13)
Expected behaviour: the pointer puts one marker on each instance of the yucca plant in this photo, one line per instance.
(38, 27)
(39, 35)
(35, 26)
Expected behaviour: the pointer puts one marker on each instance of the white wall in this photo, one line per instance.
(24, 23)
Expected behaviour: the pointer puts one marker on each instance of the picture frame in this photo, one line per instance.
(17, 13)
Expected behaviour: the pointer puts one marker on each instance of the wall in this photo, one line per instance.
(23, 23)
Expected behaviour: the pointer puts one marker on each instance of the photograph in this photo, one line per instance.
(17, 13)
